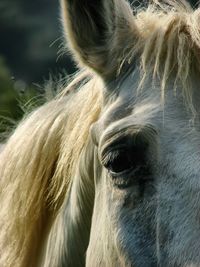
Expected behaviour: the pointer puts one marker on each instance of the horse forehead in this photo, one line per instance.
(142, 105)
(124, 97)
(146, 110)
(132, 104)
(124, 114)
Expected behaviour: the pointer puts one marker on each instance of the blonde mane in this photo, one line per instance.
(39, 159)
(35, 169)
(170, 44)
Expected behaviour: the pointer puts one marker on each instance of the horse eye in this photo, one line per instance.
(126, 158)
(119, 161)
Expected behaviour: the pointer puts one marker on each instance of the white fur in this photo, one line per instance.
(58, 205)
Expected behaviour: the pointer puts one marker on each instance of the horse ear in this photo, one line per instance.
(98, 32)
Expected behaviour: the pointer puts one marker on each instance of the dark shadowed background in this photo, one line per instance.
(30, 52)
(30, 38)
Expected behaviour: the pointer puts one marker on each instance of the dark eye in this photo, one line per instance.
(127, 164)
(128, 156)
(125, 159)
(119, 161)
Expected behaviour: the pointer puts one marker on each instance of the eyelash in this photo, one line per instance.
(118, 161)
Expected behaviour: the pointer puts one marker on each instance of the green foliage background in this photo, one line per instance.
(30, 50)
(14, 102)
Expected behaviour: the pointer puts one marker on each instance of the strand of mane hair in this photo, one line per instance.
(33, 175)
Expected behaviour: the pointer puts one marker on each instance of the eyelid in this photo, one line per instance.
(114, 147)
(109, 156)
(145, 133)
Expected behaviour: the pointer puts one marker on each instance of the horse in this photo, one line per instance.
(107, 174)
(1, 147)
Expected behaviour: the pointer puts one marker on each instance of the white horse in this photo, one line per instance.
(108, 173)
(1, 147)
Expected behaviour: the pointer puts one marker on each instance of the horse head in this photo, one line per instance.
(113, 178)
(145, 141)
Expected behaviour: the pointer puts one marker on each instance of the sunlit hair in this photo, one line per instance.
(40, 157)
(35, 169)
(170, 44)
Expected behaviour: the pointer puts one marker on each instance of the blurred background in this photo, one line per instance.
(30, 54)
